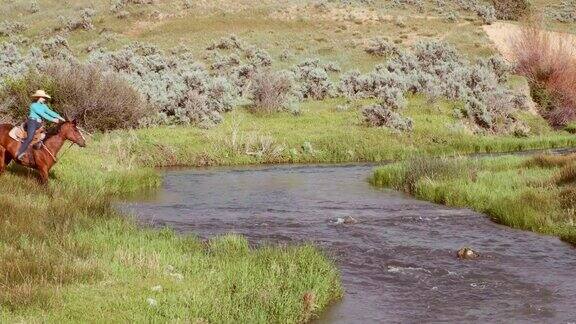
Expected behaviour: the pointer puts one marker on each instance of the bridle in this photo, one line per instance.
(68, 148)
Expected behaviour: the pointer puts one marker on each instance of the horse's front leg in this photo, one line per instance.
(43, 173)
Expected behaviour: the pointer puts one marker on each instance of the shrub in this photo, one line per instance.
(550, 67)
(187, 4)
(14, 63)
(381, 47)
(257, 56)
(97, 100)
(272, 91)
(376, 84)
(57, 48)
(313, 80)
(227, 43)
(84, 21)
(117, 5)
(353, 85)
(564, 11)
(34, 8)
(451, 16)
(178, 88)
(436, 69)
(8, 29)
(286, 55)
(379, 115)
(511, 9)
(487, 13)
(237, 61)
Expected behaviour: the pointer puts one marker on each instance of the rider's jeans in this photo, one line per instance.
(32, 126)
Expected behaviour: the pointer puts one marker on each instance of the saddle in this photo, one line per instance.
(19, 134)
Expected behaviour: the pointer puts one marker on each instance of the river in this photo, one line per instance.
(398, 261)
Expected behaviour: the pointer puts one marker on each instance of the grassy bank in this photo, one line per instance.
(536, 194)
(66, 255)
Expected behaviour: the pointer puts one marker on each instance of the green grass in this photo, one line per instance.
(320, 135)
(535, 194)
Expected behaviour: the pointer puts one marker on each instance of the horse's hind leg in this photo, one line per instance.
(2, 159)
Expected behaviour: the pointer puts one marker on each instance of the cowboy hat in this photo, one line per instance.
(41, 94)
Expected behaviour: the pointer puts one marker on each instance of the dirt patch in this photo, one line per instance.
(502, 35)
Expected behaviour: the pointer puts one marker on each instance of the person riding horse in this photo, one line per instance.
(38, 110)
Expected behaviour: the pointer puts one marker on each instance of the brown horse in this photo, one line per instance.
(44, 158)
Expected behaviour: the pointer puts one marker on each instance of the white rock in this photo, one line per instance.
(156, 288)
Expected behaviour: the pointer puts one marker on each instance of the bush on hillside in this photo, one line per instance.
(14, 63)
(8, 29)
(313, 79)
(564, 11)
(272, 91)
(380, 115)
(233, 59)
(550, 67)
(99, 101)
(511, 9)
(436, 69)
(56, 48)
(180, 89)
(84, 21)
(485, 11)
(34, 7)
(118, 5)
(381, 47)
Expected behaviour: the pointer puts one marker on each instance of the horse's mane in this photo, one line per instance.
(53, 131)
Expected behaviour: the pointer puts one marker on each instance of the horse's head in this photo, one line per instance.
(70, 131)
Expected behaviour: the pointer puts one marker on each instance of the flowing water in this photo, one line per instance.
(398, 262)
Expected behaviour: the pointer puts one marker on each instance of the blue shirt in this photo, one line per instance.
(39, 111)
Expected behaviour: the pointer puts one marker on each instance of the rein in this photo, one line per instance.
(52, 155)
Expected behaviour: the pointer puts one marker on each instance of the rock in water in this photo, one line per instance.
(467, 253)
(350, 220)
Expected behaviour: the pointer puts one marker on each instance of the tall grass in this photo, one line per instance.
(533, 194)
